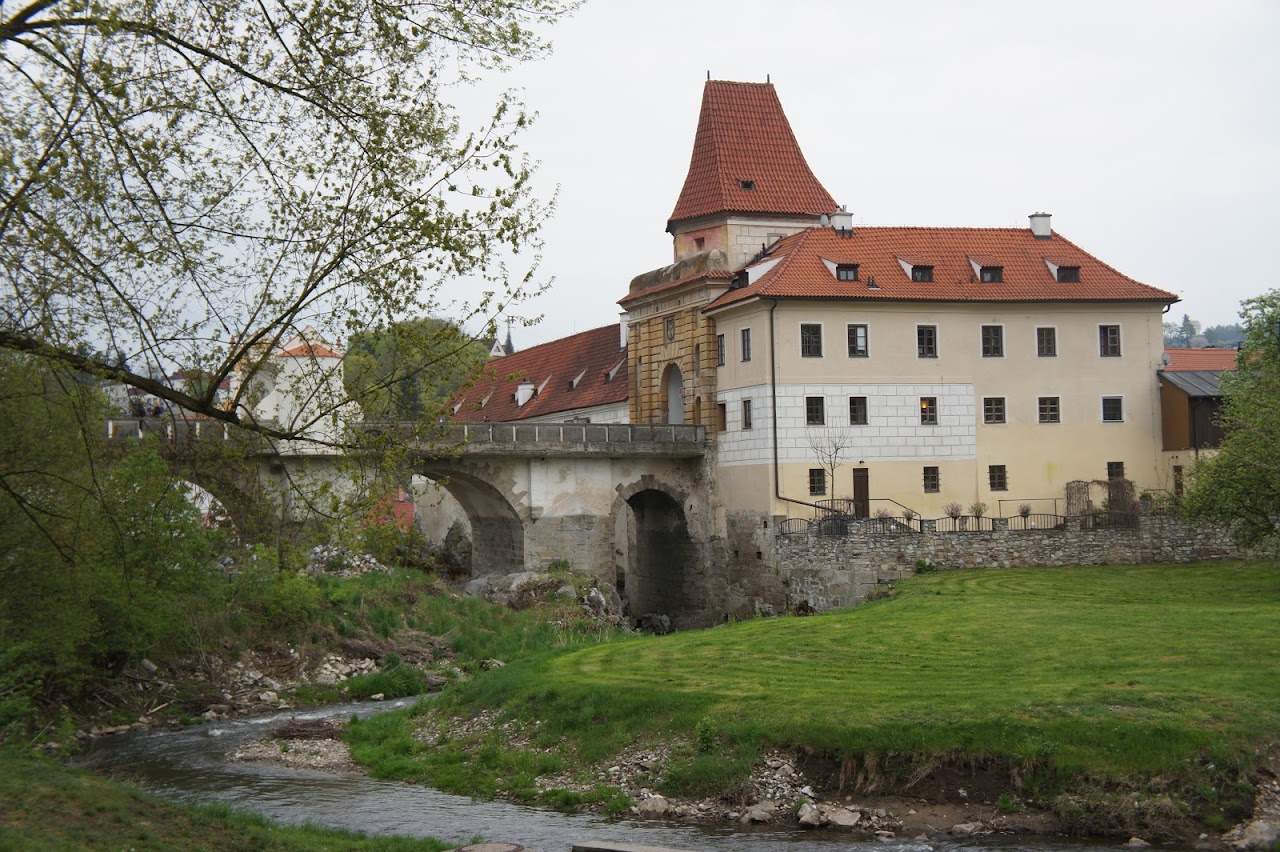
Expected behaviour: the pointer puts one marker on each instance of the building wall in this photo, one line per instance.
(692, 349)
(1039, 458)
(740, 238)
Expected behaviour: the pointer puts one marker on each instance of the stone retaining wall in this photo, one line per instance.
(828, 571)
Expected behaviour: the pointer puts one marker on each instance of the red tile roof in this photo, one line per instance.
(1197, 360)
(552, 367)
(310, 350)
(876, 250)
(743, 135)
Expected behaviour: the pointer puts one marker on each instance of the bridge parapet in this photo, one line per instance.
(170, 429)
(577, 439)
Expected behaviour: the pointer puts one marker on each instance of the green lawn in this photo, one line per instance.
(1100, 671)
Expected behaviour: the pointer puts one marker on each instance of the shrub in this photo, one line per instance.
(1024, 509)
(953, 510)
(884, 514)
(978, 509)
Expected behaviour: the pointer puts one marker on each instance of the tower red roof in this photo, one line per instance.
(746, 159)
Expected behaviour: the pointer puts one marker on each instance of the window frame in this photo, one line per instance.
(929, 411)
(1043, 409)
(1107, 346)
(746, 414)
(932, 479)
(991, 274)
(817, 482)
(865, 412)
(1112, 468)
(1052, 339)
(998, 331)
(815, 411)
(1068, 275)
(719, 350)
(814, 331)
(847, 272)
(931, 349)
(745, 343)
(1119, 401)
(865, 348)
(997, 477)
(921, 274)
(990, 415)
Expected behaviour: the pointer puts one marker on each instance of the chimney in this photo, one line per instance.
(622, 329)
(842, 222)
(524, 392)
(1040, 226)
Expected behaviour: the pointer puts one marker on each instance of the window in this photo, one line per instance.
(997, 477)
(747, 184)
(814, 411)
(671, 328)
(746, 414)
(927, 341)
(1112, 409)
(991, 274)
(1068, 274)
(817, 481)
(810, 340)
(719, 350)
(722, 418)
(858, 341)
(699, 243)
(993, 341)
(993, 409)
(1049, 409)
(697, 358)
(923, 274)
(932, 480)
(1109, 341)
(746, 344)
(928, 411)
(857, 411)
(847, 272)
(1046, 342)
(1115, 470)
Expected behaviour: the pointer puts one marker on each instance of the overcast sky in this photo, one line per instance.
(1150, 130)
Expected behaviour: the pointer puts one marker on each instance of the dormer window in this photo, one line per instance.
(1068, 275)
(747, 184)
(991, 274)
(922, 274)
(847, 272)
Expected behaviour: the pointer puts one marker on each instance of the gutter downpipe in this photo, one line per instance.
(773, 409)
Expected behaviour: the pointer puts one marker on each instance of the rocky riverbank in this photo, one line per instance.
(782, 790)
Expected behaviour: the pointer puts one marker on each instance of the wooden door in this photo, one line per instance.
(861, 493)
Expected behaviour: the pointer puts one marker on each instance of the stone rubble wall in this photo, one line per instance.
(829, 571)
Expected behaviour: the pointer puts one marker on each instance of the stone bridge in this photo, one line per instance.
(629, 504)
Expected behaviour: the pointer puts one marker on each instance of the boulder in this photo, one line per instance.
(840, 817)
(967, 829)
(1260, 834)
(759, 812)
(654, 806)
(809, 816)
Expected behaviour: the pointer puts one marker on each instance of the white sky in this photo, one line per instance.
(1150, 129)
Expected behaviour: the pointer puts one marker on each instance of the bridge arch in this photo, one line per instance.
(659, 560)
(497, 529)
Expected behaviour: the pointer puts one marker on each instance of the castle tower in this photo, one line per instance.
(748, 185)
(748, 182)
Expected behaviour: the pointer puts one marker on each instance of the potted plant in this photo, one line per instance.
(1024, 510)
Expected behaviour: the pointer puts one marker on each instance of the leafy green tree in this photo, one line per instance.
(97, 550)
(408, 370)
(1224, 335)
(189, 185)
(1240, 484)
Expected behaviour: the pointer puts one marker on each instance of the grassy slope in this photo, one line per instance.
(1106, 671)
(46, 806)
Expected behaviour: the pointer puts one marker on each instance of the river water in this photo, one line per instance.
(190, 764)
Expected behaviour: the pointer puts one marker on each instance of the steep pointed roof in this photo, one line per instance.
(746, 159)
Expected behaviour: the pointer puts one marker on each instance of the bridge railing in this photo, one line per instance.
(578, 433)
(168, 428)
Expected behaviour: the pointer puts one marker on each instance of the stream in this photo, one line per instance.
(190, 764)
